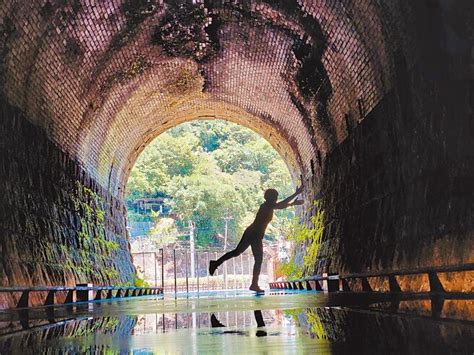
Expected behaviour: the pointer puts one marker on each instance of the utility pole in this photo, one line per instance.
(227, 218)
(191, 245)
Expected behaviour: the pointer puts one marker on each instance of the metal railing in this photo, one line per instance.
(394, 294)
(340, 282)
(178, 270)
(79, 293)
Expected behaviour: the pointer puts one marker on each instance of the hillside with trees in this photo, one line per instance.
(205, 171)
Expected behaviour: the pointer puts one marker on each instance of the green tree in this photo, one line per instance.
(138, 185)
(205, 199)
(164, 231)
(210, 169)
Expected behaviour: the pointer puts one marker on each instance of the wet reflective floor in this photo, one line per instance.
(237, 322)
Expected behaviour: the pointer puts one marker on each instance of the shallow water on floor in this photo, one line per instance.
(229, 322)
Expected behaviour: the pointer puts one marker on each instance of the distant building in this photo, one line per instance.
(146, 205)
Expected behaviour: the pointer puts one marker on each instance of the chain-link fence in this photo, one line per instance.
(179, 270)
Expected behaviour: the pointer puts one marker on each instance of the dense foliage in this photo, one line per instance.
(208, 170)
(305, 238)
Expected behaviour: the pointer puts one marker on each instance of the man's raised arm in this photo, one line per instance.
(287, 201)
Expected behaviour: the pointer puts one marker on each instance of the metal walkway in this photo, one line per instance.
(234, 321)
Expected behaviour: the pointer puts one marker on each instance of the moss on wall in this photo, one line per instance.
(59, 227)
(306, 237)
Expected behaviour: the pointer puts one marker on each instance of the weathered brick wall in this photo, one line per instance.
(73, 329)
(394, 198)
(399, 191)
(365, 332)
(58, 227)
(367, 100)
(123, 72)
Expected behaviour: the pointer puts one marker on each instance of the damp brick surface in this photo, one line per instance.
(370, 102)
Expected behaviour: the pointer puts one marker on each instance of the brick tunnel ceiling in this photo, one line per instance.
(103, 80)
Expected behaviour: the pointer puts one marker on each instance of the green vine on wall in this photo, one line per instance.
(307, 239)
(93, 242)
(313, 321)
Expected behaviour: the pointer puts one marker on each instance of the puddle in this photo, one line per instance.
(229, 322)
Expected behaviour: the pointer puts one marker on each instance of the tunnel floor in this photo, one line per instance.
(277, 322)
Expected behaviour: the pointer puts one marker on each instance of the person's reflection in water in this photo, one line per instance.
(260, 323)
(215, 323)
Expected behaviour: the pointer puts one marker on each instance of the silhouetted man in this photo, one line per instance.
(253, 235)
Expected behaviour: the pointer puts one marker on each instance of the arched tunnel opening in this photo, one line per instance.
(369, 103)
(192, 192)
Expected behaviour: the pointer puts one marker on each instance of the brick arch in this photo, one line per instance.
(88, 63)
(111, 144)
(371, 100)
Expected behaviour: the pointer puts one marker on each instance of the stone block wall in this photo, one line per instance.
(366, 332)
(370, 101)
(396, 201)
(398, 192)
(58, 227)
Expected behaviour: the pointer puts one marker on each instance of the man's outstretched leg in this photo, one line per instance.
(257, 251)
(214, 264)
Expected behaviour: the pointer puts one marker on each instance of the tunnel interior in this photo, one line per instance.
(369, 103)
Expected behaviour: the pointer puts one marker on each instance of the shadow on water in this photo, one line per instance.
(236, 325)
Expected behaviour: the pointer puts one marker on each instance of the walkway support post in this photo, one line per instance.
(162, 270)
(174, 264)
(207, 270)
(154, 261)
(365, 285)
(197, 272)
(49, 298)
(317, 286)
(235, 280)
(85, 295)
(329, 284)
(344, 285)
(24, 299)
(186, 266)
(242, 269)
(227, 218)
(191, 245)
(393, 284)
(216, 273)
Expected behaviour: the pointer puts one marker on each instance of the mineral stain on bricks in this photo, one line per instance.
(370, 102)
